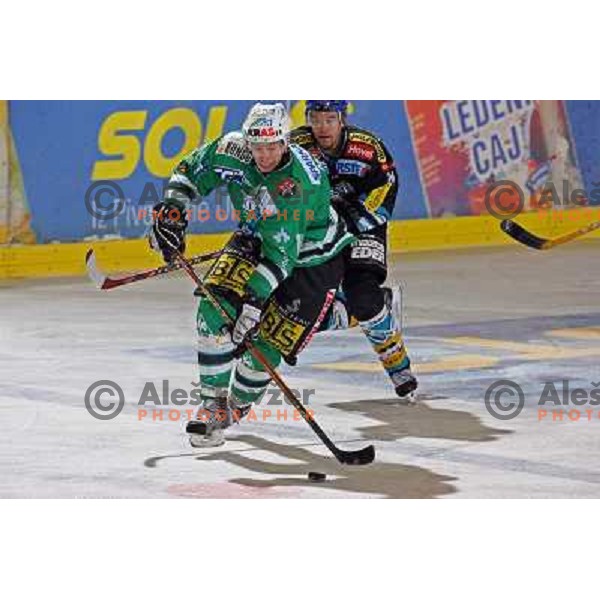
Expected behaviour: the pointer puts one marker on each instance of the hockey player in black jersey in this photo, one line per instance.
(364, 187)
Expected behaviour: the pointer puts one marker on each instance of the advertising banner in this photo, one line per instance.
(463, 146)
(63, 156)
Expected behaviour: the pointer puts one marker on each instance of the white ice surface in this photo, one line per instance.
(58, 337)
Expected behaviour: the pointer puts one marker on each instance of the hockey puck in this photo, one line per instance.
(314, 476)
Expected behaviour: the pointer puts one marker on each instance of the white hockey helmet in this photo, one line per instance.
(266, 123)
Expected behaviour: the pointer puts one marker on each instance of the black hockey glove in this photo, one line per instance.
(341, 193)
(345, 202)
(246, 243)
(167, 235)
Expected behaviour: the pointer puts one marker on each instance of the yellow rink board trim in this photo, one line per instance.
(46, 260)
(113, 256)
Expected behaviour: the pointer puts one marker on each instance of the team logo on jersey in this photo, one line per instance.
(351, 167)
(287, 188)
(360, 150)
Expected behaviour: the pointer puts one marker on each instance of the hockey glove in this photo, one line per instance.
(167, 235)
(246, 243)
(341, 193)
(345, 202)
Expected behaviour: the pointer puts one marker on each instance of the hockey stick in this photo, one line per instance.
(363, 456)
(519, 233)
(106, 282)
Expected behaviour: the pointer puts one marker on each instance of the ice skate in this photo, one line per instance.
(215, 416)
(208, 428)
(405, 384)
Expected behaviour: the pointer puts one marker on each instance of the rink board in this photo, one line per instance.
(48, 260)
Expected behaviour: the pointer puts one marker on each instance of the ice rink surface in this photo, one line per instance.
(472, 317)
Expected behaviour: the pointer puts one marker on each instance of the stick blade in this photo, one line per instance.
(520, 234)
(364, 456)
(92, 269)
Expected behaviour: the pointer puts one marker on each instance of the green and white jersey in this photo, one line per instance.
(289, 209)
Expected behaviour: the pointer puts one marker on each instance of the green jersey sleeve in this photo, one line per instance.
(219, 163)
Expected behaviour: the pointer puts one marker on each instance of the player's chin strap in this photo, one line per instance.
(364, 456)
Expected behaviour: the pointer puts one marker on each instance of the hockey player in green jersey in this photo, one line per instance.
(275, 274)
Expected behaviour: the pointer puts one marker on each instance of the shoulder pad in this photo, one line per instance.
(233, 144)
